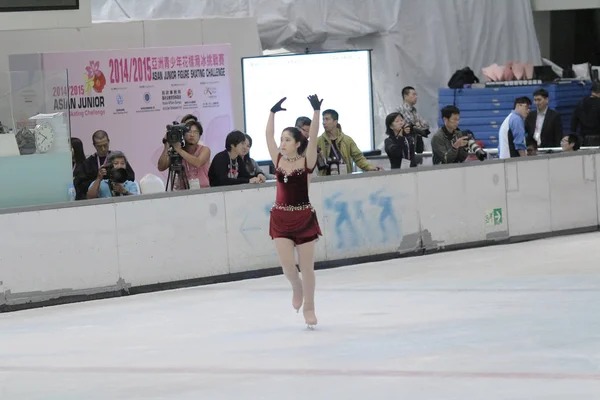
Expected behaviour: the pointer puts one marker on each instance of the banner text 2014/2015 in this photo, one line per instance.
(125, 70)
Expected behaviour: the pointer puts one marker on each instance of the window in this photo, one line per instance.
(38, 5)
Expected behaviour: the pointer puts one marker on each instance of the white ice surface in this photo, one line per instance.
(505, 322)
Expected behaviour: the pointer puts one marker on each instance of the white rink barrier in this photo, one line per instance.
(109, 247)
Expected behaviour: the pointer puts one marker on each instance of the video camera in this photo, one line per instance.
(176, 133)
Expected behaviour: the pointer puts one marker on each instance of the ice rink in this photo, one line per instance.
(519, 321)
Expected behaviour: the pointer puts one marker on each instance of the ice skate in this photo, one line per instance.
(310, 318)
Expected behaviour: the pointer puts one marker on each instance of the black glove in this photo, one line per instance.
(277, 107)
(315, 102)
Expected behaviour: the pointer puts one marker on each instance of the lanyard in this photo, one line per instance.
(333, 146)
(98, 160)
(407, 156)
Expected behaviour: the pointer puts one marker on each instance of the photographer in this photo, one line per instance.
(338, 149)
(89, 170)
(195, 157)
(112, 179)
(399, 149)
(448, 144)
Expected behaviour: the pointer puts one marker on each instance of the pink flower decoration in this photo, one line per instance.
(93, 69)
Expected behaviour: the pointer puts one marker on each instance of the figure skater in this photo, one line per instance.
(293, 219)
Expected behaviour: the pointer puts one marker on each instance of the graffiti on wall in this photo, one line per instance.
(371, 219)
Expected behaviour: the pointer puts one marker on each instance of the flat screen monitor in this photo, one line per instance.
(341, 79)
(38, 5)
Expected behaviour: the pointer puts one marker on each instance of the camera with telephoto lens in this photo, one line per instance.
(472, 145)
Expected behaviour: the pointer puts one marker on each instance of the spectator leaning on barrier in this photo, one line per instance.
(251, 165)
(339, 149)
(228, 167)
(570, 143)
(511, 137)
(448, 145)
(112, 179)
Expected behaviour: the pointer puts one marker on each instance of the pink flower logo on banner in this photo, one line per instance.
(94, 78)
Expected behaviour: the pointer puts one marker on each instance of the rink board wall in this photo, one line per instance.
(113, 246)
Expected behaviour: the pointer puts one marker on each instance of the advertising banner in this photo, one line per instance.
(134, 94)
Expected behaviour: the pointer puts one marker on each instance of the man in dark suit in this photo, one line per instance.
(544, 124)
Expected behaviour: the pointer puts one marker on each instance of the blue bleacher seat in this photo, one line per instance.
(482, 110)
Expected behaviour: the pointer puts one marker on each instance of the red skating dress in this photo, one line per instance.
(292, 215)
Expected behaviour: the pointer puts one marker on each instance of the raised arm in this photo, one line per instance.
(273, 149)
(311, 150)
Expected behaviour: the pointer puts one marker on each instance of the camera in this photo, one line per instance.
(472, 145)
(333, 166)
(176, 133)
(329, 164)
(115, 175)
(422, 132)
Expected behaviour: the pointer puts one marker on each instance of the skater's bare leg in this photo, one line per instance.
(285, 250)
(306, 259)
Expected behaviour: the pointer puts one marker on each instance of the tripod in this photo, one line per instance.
(176, 172)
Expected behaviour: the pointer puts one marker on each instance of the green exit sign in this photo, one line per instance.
(494, 217)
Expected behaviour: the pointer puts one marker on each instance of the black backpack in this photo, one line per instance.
(461, 78)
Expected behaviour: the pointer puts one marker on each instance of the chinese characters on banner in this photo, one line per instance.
(134, 94)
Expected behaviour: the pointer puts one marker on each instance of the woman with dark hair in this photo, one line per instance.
(196, 158)
(77, 160)
(293, 221)
(228, 168)
(399, 148)
(253, 168)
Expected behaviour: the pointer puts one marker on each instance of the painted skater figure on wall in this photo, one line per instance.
(388, 224)
(344, 228)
